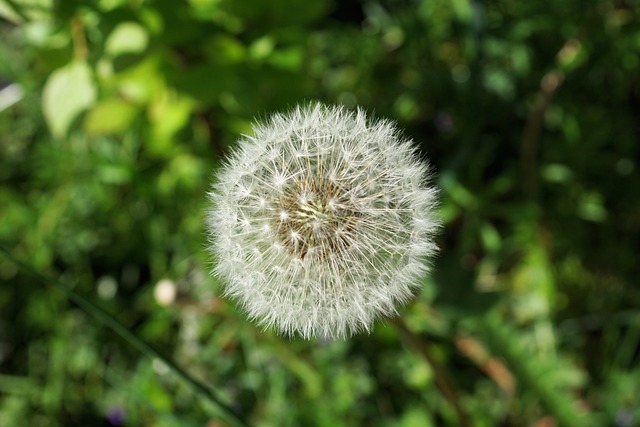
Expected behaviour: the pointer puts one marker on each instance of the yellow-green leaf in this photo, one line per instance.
(110, 116)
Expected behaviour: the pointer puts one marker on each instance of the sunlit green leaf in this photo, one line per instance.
(22, 10)
(68, 92)
(128, 37)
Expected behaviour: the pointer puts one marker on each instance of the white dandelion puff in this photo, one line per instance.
(322, 222)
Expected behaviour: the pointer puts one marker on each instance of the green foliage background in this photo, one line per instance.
(114, 115)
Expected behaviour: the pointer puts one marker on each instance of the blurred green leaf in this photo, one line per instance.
(127, 37)
(541, 375)
(22, 10)
(224, 49)
(68, 92)
(110, 116)
(556, 173)
(591, 207)
(416, 417)
(261, 48)
(289, 59)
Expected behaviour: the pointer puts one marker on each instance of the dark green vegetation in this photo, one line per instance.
(530, 112)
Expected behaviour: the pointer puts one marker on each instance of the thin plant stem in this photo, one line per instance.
(80, 50)
(145, 348)
(443, 382)
(549, 85)
(531, 135)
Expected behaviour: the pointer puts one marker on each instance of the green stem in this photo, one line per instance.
(116, 326)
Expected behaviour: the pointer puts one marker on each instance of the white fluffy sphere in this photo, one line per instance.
(322, 221)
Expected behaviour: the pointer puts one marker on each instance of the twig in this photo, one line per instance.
(528, 156)
(491, 366)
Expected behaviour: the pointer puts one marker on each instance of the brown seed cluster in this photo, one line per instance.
(315, 218)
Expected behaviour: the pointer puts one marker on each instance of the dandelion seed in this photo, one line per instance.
(322, 222)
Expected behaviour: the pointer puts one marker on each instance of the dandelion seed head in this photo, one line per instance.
(322, 221)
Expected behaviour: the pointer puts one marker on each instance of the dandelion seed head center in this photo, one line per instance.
(316, 216)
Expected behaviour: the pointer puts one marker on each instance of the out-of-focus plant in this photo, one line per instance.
(114, 115)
